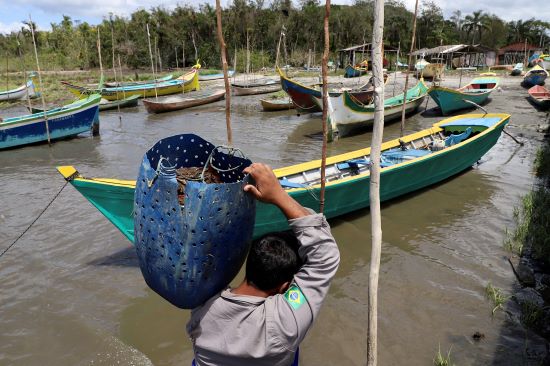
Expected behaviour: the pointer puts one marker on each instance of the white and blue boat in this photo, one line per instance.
(535, 76)
(63, 122)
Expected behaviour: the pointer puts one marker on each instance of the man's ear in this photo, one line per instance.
(282, 289)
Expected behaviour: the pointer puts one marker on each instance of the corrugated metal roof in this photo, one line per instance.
(367, 47)
(454, 48)
(517, 47)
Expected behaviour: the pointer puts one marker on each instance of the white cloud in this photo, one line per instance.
(10, 27)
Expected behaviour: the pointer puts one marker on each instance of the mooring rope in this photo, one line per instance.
(32, 223)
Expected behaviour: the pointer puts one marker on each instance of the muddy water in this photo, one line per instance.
(71, 292)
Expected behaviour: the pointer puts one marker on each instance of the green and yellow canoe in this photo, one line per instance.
(408, 164)
(477, 91)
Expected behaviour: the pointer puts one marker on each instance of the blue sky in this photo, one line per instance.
(46, 11)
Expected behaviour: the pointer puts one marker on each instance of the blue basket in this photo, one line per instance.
(189, 253)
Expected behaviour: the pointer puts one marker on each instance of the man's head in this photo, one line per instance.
(272, 262)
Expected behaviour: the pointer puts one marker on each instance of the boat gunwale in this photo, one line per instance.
(75, 176)
(77, 106)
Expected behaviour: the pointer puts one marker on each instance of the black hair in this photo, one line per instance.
(273, 260)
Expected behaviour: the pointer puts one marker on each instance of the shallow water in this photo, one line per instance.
(71, 291)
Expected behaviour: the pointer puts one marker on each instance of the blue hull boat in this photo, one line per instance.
(63, 122)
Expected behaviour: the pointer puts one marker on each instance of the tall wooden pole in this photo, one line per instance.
(28, 97)
(324, 72)
(40, 81)
(408, 67)
(278, 48)
(183, 55)
(376, 146)
(98, 44)
(525, 54)
(152, 62)
(225, 77)
(7, 75)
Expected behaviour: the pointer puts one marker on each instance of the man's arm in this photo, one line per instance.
(300, 305)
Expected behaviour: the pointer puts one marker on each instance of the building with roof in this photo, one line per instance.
(517, 52)
(355, 54)
(459, 55)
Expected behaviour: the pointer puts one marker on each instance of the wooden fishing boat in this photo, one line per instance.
(20, 92)
(277, 104)
(131, 101)
(540, 96)
(545, 61)
(216, 76)
(477, 91)
(347, 115)
(187, 82)
(355, 71)
(517, 70)
(304, 97)
(182, 101)
(143, 82)
(257, 87)
(413, 162)
(535, 76)
(432, 71)
(63, 122)
(105, 104)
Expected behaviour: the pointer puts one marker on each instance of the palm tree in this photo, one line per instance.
(476, 23)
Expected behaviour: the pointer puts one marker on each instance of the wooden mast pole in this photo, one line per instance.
(152, 63)
(408, 67)
(278, 49)
(225, 77)
(40, 81)
(376, 146)
(324, 72)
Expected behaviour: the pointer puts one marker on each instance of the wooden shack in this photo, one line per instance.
(355, 54)
(516, 53)
(459, 55)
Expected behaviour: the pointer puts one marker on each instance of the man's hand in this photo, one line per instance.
(269, 190)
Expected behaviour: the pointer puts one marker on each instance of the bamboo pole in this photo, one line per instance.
(225, 78)
(408, 67)
(525, 54)
(324, 72)
(121, 76)
(7, 74)
(396, 68)
(40, 81)
(98, 44)
(278, 48)
(183, 55)
(28, 97)
(152, 63)
(376, 146)
(114, 64)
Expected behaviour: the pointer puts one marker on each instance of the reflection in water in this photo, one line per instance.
(72, 293)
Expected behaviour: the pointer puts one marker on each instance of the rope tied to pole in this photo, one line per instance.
(35, 220)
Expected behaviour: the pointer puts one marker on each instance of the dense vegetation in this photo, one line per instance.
(72, 44)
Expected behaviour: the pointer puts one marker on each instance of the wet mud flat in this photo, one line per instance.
(72, 293)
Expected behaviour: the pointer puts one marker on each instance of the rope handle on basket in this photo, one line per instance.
(230, 151)
(157, 171)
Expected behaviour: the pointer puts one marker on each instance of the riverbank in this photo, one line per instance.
(530, 242)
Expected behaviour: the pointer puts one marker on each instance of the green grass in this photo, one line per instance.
(56, 94)
(533, 215)
(441, 360)
(531, 315)
(496, 296)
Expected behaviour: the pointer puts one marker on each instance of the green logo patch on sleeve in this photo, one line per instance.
(295, 297)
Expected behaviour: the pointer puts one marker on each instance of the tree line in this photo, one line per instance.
(189, 33)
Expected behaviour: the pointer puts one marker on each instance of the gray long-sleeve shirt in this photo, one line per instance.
(240, 330)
